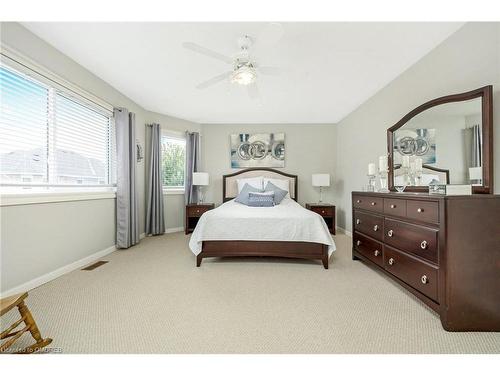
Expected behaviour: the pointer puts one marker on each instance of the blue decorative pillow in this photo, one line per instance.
(261, 199)
(279, 194)
(243, 195)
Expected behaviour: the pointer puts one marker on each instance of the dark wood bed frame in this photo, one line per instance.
(284, 249)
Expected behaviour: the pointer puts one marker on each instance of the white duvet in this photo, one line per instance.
(287, 221)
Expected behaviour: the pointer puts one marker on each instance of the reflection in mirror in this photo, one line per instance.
(442, 144)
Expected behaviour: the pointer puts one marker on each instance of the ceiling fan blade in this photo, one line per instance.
(253, 91)
(269, 70)
(207, 52)
(270, 35)
(213, 80)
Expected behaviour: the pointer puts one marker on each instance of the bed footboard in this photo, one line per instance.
(285, 249)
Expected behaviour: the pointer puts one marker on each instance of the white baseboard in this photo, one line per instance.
(58, 272)
(346, 232)
(32, 284)
(174, 230)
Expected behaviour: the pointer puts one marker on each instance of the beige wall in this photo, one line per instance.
(309, 149)
(468, 59)
(39, 238)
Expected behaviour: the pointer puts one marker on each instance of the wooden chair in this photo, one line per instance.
(8, 304)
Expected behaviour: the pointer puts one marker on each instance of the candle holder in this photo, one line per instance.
(383, 181)
(418, 178)
(406, 175)
(371, 182)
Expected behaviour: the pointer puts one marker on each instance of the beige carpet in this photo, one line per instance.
(152, 299)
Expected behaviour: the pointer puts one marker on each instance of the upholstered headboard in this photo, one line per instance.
(230, 186)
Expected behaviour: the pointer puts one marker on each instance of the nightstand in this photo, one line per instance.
(327, 211)
(193, 214)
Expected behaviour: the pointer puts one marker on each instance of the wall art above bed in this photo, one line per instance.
(257, 150)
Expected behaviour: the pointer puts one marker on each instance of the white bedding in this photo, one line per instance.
(287, 221)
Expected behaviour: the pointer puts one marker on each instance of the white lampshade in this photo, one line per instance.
(476, 173)
(322, 179)
(200, 178)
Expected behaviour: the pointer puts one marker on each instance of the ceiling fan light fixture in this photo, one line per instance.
(244, 75)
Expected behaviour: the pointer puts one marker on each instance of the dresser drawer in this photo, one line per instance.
(419, 240)
(423, 211)
(371, 225)
(420, 275)
(369, 248)
(198, 210)
(323, 211)
(368, 203)
(395, 207)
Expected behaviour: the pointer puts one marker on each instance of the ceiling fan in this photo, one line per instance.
(245, 70)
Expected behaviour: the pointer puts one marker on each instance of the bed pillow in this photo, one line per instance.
(282, 184)
(279, 194)
(245, 191)
(264, 199)
(256, 182)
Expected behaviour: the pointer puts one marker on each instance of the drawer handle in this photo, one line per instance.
(423, 245)
(375, 228)
(358, 242)
(358, 221)
(373, 203)
(391, 261)
(390, 233)
(198, 211)
(376, 253)
(420, 209)
(358, 201)
(424, 279)
(322, 211)
(393, 206)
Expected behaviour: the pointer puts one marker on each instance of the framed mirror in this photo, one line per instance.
(448, 140)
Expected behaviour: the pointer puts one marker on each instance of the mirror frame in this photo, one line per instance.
(486, 94)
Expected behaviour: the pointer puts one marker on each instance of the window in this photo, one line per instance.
(173, 162)
(52, 138)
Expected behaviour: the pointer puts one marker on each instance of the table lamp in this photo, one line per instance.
(321, 180)
(200, 179)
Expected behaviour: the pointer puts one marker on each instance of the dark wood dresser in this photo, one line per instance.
(443, 249)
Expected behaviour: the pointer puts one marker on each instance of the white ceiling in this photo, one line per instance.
(329, 69)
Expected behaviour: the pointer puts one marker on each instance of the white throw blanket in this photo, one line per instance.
(287, 221)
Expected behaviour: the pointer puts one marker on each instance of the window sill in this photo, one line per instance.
(173, 191)
(17, 199)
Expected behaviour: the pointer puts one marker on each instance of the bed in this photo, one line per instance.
(285, 230)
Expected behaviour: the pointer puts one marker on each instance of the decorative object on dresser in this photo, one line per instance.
(193, 214)
(372, 175)
(200, 179)
(443, 249)
(327, 211)
(383, 169)
(448, 140)
(321, 180)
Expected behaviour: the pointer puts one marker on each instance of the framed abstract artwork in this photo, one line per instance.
(257, 150)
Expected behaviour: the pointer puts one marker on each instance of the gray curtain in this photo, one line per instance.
(473, 146)
(127, 223)
(155, 221)
(192, 165)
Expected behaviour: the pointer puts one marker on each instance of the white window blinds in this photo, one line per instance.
(49, 138)
(24, 106)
